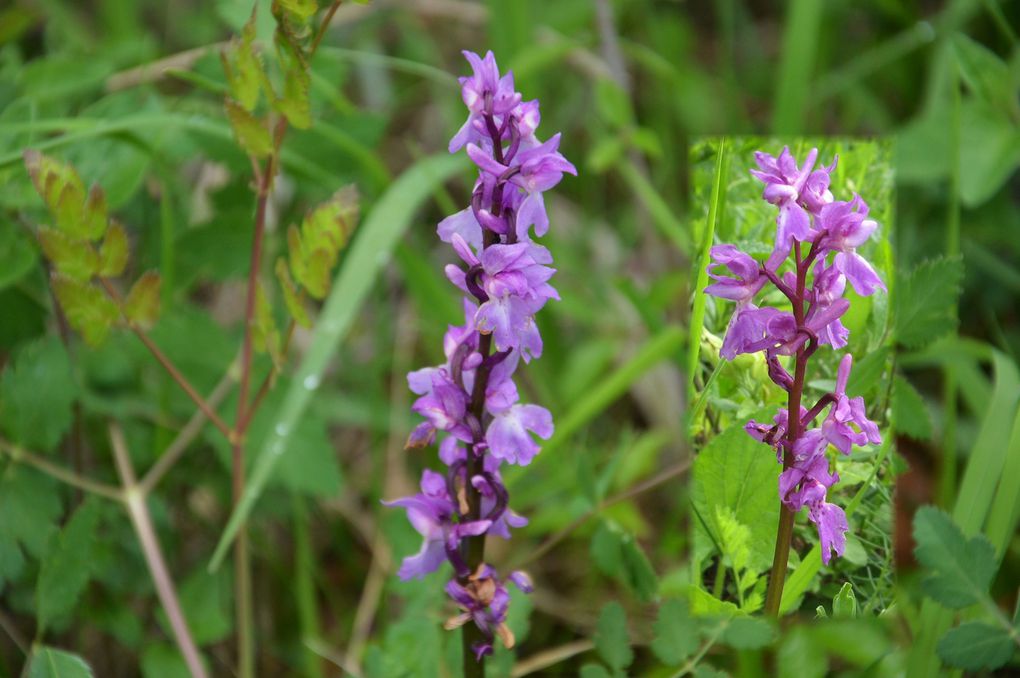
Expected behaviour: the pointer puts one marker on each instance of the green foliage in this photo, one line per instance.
(976, 646)
(79, 215)
(36, 395)
(924, 301)
(909, 411)
(315, 246)
(141, 307)
(676, 632)
(612, 639)
(844, 603)
(30, 504)
(735, 478)
(67, 565)
(243, 67)
(748, 633)
(48, 662)
(958, 570)
(618, 555)
(251, 133)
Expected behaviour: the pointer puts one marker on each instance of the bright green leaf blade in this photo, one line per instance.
(141, 306)
(375, 240)
(250, 132)
(88, 309)
(844, 603)
(113, 254)
(70, 257)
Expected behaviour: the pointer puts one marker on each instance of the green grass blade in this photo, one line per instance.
(1002, 519)
(708, 237)
(662, 214)
(800, 44)
(372, 246)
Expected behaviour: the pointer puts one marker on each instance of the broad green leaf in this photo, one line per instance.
(989, 150)
(243, 67)
(113, 254)
(291, 296)
(71, 257)
(48, 662)
(925, 301)
(611, 638)
(141, 307)
(163, 661)
(372, 246)
(618, 555)
(748, 633)
(67, 565)
(89, 311)
(250, 132)
(910, 415)
(736, 472)
(958, 570)
(639, 575)
(704, 604)
(37, 391)
(844, 603)
(294, 103)
(676, 632)
(976, 646)
(613, 104)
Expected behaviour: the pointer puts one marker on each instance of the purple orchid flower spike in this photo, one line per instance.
(811, 225)
(470, 403)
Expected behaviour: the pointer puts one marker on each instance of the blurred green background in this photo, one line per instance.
(131, 91)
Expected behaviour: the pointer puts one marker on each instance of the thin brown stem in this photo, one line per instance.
(267, 383)
(552, 657)
(60, 473)
(138, 511)
(327, 19)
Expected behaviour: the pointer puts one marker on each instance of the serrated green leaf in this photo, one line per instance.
(976, 646)
(291, 295)
(94, 215)
(844, 603)
(297, 10)
(799, 657)
(638, 572)
(62, 190)
(113, 254)
(294, 103)
(594, 671)
(70, 257)
(265, 334)
(37, 392)
(250, 132)
(748, 633)
(30, 505)
(141, 307)
(67, 565)
(315, 248)
(676, 632)
(243, 67)
(89, 311)
(48, 662)
(605, 550)
(909, 411)
(958, 570)
(925, 300)
(611, 637)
